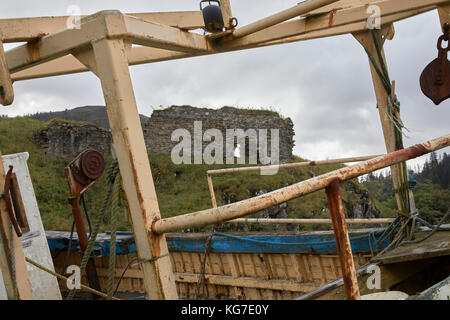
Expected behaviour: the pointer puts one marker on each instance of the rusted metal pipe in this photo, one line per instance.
(301, 8)
(292, 165)
(211, 191)
(342, 241)
(252, 205)
(83, 240)
(311, 221)
(82, 173)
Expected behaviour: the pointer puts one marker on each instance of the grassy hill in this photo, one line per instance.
(92, 114)
(180, 188)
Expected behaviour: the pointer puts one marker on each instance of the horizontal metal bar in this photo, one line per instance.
(311, 221)
(147, 33)
(293, 31)
(267, 200)
(28, 29)
(299, 9)
(105, 24)
(292, 165)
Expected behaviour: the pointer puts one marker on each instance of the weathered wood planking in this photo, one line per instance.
(255, 272)
(276, 279)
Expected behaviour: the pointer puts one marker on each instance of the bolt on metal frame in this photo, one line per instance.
(103, 45)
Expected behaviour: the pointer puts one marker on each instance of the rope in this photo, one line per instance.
(201, 278)
(393, 114)
(137, 263)
(112, 172)
(433, 231)
(397, 239)
(387, 232)
(61, 277)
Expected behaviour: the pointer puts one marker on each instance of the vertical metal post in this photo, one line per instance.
(6, 88)
(211, 191)
(226, 12)
(137, 180)
(342, 241)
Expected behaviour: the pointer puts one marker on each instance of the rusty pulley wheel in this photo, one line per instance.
(88, 166)
(435, 78)
(92, 164)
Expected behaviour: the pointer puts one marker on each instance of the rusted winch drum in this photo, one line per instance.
(88, 166)
(212, 15)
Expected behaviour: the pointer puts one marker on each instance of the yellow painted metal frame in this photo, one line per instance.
(103, 45)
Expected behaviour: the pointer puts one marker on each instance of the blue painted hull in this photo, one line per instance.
(319, 242)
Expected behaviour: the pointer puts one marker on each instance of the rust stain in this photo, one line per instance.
(331, 18)
(414, 151)
(34, 50)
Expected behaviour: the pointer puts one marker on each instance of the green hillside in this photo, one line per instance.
(431, 192)
(180, 188)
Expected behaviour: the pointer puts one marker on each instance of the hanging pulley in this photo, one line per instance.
(435, 78)
(212, 15)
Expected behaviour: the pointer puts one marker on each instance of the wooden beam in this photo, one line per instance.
(245, 207)
(224, 280)
(366, 40)
(16, 280)
(310, 28)
(137, 180)
(28, 29)
(247, 282)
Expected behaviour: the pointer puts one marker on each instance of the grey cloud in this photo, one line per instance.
(324, 85)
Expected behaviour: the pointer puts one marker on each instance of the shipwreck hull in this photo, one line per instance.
(276, 266)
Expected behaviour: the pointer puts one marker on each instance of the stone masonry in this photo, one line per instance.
(67, 138)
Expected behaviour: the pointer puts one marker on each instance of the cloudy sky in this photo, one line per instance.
(323, 85)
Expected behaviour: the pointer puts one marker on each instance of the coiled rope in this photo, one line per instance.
(113, 180)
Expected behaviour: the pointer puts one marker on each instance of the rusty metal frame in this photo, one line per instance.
(210, 173)
(103, 45)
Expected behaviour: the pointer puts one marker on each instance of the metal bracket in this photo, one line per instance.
(9, 205)
(6, 88)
